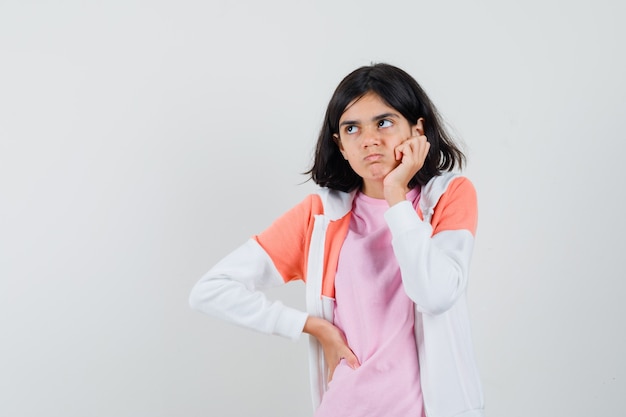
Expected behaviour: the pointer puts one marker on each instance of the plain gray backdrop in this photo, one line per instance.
(141, 141)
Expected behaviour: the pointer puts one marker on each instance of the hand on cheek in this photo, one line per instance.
(411, 154)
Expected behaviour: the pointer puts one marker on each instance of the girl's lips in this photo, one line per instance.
(373, 157)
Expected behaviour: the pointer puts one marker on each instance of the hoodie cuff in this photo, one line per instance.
(290, 323)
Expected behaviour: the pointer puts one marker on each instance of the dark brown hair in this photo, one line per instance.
(400, 91)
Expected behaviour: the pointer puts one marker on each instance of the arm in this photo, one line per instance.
(231, 291)
(434, 259)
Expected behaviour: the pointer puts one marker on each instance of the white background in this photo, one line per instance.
(141, 141)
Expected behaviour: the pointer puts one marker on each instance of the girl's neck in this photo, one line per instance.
(373, 189)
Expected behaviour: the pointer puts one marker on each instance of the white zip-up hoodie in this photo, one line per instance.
(433, 248)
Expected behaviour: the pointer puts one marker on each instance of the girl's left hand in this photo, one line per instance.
(411, 153)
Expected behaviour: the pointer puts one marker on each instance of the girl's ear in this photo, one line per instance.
(419, 126)
(339, 145)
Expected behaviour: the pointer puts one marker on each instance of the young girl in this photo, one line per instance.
(384, 247)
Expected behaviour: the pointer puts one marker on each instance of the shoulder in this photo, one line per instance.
(335, 204)
(461, 187)
(448, 183)
(302, 213)
(456, 205)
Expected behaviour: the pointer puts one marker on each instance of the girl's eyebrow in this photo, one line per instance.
(375, 118)
(384, 116)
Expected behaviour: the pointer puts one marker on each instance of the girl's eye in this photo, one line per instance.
(351, 130)
(384, 123)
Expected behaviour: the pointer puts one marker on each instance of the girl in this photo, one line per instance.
(384, 247)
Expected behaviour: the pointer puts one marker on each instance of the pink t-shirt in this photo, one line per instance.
(377, 318)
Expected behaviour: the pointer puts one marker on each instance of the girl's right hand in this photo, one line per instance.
(333, 343)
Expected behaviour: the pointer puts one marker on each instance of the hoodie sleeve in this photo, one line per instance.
(232, 289)
(434, 257)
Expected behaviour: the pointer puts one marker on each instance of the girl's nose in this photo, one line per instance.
(370, 136)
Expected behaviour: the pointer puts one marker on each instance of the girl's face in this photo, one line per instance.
(369, 132)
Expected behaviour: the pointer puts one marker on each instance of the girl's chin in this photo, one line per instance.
(377, 173)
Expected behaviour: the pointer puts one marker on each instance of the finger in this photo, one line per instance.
(425, 148)
(398, 152)
(332, 365)
(331, 371)
(352, 361)
(421, 145)
(404, 148)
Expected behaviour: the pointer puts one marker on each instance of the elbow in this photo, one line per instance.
(433, 309)
(434, 306)
(200, 295)
(434, 298)
(212, 293)
(194, 298)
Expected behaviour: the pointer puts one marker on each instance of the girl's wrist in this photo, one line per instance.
(315, 326)
(395, 194)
